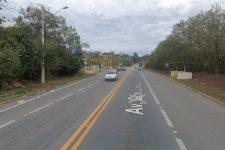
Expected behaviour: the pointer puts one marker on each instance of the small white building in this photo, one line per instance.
(91, 69)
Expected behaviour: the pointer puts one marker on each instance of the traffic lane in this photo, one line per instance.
(199, 122)
(33, 106)
(49, 128)
(85, 127)
(122, 127)
(72, 85)
(45, 99)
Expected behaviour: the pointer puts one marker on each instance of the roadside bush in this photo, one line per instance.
(9, 66)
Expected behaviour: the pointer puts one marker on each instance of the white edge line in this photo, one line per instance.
(90, 85)
(70, 85)
(93, 84)
(178, 140)
(8, 123)
(24, 102)
(157, 102)
(81, 89)
(181, 144)
(167, 119)
(64, 97)
(38, 109)
(40, 96)
(153, 94)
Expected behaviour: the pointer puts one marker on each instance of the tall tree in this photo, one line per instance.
(135, 57)
(200, 39)
(3, 4)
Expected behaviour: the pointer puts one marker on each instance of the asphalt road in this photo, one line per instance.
(140, 111)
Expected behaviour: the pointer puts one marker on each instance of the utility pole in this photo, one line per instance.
(110, 63)
(110, 60)
(43, 40)
(43, 43)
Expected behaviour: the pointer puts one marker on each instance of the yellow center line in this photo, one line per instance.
(84, 134)
(95, 114)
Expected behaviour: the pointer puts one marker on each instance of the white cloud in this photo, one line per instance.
(123, 25)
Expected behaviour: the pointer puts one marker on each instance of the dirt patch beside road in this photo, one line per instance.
(210, 84)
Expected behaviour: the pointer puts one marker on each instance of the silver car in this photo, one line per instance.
(111, 75)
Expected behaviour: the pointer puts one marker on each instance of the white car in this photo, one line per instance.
(140, 68)
(111, 75)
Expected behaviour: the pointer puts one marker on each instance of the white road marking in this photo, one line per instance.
(93, 84)
(175, 132)
(135, 111)
(157, 102)
(64, 97)
(52, 91)
(24, 115)
(181, 144)
(70, 85)
(153, 94)
(81, 89)
(136, 99)
(7, 123)
(40, 108)
(136, 105)
(178, 140)
(90, 85)
(24, 102)
(167, 119)
(21, 101)
(40, 96)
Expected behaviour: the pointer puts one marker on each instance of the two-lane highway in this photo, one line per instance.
(46, 120)
(132, 121)
(142, 110)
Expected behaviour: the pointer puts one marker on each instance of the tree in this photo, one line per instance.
(135, 57)
(62, 41)
(199, 39)
(10, 57)
(2, 6)
(21, 49)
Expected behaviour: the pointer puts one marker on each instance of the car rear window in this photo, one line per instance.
(111, 72)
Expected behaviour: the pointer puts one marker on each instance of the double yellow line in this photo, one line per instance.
(79, 135)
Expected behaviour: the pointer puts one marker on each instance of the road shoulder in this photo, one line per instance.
(210, 98)
(17, 95)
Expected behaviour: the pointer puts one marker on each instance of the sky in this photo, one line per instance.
(121, 25)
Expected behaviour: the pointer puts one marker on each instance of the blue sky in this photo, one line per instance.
(121, 25)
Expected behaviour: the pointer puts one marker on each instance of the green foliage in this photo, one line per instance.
(126, 60)
(21, 50)
(69, 65)
(135, 57)
(199, 40)
(3, 4)
(9, 66)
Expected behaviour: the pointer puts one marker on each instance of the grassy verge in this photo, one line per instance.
(212, 85)
(34, 88)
